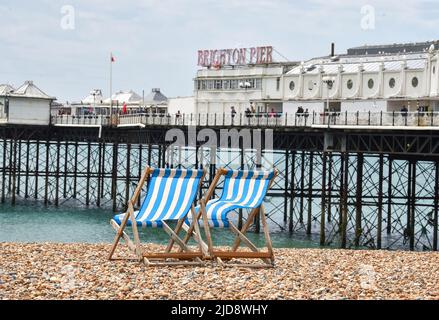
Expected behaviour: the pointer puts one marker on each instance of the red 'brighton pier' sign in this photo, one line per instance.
(241, 56)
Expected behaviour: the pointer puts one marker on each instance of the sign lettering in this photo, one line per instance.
(236, 56)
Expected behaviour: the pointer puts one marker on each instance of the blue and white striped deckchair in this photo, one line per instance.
(170, 197)
(241, 190)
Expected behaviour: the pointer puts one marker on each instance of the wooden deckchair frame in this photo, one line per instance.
(185, 254)
(223, 256)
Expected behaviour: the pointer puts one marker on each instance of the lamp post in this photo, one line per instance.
(94, 100)
(6, 107)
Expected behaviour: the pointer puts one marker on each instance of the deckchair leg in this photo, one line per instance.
(175, 237)
(206, 228)
(179, 241)
(118, 236)
(191, 230)
(197, 233)
(247, 241)
(245, 227)
(136, 195)
(177, 230)
(114, 246)
(267, 233)
(124, 236)
(135, 231)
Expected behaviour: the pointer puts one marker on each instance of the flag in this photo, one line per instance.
(124, 109)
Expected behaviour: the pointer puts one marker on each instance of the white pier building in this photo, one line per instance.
(370, 78)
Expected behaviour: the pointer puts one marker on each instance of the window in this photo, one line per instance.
(226, 84)
(258, 83)
(350, 84)
(371, 83)
(415, 82)
(218, 85)
(209, 84)
(392, 83)
(278, 84)
(292, 85)
(234, 84)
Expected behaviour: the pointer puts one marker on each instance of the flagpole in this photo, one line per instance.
(111, 85)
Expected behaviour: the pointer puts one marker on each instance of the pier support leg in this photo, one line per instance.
(380, 201)
(323, 205)
(412, 203)
(287, 169)
(99, 175)
(14, 171)
(3, 191)
(436, 208)
(57, 174)
(66, 169)
(114, 176)
(37, 169)
(359, 199)
(302, 187)
(87, 187)
(128, 174)
(46, 179)
(26, 182)
(292, 190)
(344, 199)
(389, 198)
(310, 191)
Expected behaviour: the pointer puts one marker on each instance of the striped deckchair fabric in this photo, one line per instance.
(170, 195)
(242, 190)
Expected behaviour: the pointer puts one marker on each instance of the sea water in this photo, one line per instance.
(32, 222)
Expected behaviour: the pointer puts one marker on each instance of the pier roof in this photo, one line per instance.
(94, 97)
(128, 97)
(5, 89)
(156, 97)
(351, 64)
(30, 90)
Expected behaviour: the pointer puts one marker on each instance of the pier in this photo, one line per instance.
(350, 179)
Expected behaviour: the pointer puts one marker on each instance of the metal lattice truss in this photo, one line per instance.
(347, 199)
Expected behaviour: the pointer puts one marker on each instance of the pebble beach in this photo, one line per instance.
(81, 271)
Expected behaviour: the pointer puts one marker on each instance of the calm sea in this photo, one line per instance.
(34, 223)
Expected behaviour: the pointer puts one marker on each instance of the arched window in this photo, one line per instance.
(371, 83)
(292, 85)
(415, 82)
(350, 84)
(392, 83)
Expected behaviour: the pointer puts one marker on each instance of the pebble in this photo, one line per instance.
(39, 271)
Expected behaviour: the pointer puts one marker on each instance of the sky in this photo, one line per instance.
(64, 45)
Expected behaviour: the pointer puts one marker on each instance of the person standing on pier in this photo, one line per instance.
(178, 117)
(233, 113)
(404, 111)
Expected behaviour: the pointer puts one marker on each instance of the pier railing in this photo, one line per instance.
(83, 120)
(315, 119)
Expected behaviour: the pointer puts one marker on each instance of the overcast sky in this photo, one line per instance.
(155, 42)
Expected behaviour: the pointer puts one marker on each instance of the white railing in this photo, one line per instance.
(86, 120)
(329, 119)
